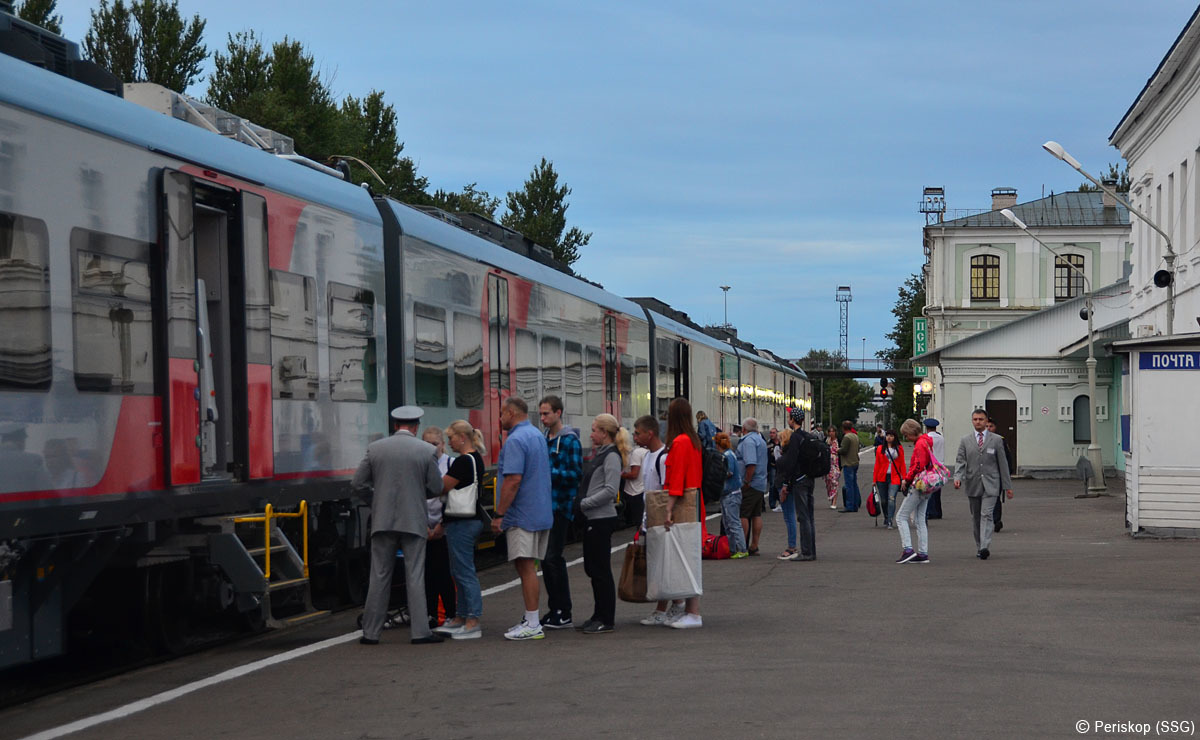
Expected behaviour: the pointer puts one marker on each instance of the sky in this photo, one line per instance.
(780, 148)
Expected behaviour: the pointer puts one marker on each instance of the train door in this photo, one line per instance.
(499, 380)
(218, 326)
(611, 368)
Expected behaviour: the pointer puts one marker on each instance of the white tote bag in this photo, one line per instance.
(462, 501)
(673, 562)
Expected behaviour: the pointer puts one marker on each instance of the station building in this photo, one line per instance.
(1161, 361)
(1005, 330)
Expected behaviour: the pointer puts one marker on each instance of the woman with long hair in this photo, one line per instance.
(888, 475)
(788, 504)
(462, 531)
(611, 445)
(731, 499)
(685, 470)
(915, 502)
(833, 477)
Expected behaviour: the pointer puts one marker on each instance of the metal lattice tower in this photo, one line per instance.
(933, 205)
(843, 298)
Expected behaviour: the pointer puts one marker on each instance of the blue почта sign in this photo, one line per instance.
(1169, 360)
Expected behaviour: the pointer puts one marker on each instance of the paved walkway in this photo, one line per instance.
(1069, 620)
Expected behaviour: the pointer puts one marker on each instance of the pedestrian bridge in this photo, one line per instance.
(870, 368)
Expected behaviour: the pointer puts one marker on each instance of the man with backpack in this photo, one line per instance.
(805, 459)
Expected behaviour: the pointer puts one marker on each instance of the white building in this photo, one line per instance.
(1158, 138)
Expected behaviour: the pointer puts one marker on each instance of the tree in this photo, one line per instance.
(539, 211)
(468, 200)
(41, 13)
(835, 399)
(147, 41)
(1120, 174)
(368, 132)
(281, 90)
(909, 305)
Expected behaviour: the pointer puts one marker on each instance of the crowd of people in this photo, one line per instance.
(426, 504)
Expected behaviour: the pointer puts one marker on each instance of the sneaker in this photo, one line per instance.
(674, 614)
(523, 631)
(656, 619)
(474, 633)
(906, 556)
(597, 628)
(449, 628)
(983, 554)
(921, 558)
(585, 625)
(739, 555)
(788, 555)
(556, 620)
(833, 506)
(778, 510)
(687, 622)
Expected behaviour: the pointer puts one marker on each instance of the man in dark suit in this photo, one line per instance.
(403, 473)
(982, 462)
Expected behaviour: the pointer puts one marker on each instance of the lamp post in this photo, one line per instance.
(1056, 150)
(864, 354)
(726, 288)
(1095, 457)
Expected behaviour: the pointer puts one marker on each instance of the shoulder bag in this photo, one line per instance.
(462, 501)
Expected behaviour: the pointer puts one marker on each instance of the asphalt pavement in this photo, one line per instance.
(1070, 621)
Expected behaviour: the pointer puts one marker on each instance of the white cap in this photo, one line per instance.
(408, 413)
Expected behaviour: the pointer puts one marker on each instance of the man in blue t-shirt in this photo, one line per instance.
(752, 454)
(523, 509)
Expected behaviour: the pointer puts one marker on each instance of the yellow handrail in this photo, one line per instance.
(265, 519)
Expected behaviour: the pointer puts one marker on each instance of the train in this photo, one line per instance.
(196, 332)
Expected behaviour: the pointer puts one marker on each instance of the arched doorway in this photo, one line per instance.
(1001, 406)
(1082, 417)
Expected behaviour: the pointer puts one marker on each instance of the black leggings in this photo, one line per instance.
(597, 563)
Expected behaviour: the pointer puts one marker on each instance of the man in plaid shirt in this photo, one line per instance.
(566, 470)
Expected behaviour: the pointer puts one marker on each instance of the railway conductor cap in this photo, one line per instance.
(408, 414)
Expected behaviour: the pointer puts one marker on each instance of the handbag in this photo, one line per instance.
(632, 584)
(462, 501)
(933, 477)
(673, 562)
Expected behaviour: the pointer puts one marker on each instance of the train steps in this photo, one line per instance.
(269, 575)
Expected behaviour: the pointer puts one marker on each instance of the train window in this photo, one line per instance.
(468, 361)
(626, 381)
(667, 358)
(641, 388)
(352, 365)
(112, 317)
(573, 380)
(429, 356)
(293, 335)
(595, 382)
(25, 361)
(527, 366)
(552, 368)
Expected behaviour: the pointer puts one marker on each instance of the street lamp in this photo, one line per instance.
(726, 288)
(1056, 150)
(1097, 487)
(864, 354)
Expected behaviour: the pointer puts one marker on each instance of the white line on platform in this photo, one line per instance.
(152, 701)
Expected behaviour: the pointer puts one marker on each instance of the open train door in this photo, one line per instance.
(177, 261)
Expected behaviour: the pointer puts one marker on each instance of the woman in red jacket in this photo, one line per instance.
(889, 475)
(685, 471)
(915, 502)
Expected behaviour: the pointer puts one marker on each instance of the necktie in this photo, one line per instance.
(981, 441)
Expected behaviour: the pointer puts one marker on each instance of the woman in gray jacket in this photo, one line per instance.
(598, 490)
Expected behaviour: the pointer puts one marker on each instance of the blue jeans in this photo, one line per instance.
(851, 499)
(460, 536)
(789, 518)
(731, 517)
(887, 500)
(914, 507)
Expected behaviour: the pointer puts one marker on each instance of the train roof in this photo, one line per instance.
(686, 332)
(49, 94)
(415, 222)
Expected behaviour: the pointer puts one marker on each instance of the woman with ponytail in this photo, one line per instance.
(462, 531)
(611, 445)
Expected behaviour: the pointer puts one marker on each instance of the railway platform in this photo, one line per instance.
(1071, 621)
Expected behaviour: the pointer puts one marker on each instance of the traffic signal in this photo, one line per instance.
(883, 388)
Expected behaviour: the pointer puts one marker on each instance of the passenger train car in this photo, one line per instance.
(192, 328)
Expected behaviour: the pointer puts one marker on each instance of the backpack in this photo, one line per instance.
(814, 454)
(715, 547)
(712, 484)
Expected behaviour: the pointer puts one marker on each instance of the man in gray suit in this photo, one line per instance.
(403, 473)
(982, 461)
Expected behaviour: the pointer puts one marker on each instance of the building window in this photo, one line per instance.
(24, 304)
(1068, 276)
(293, 335)
(352, 365)
(985, 277)
(113, 321)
